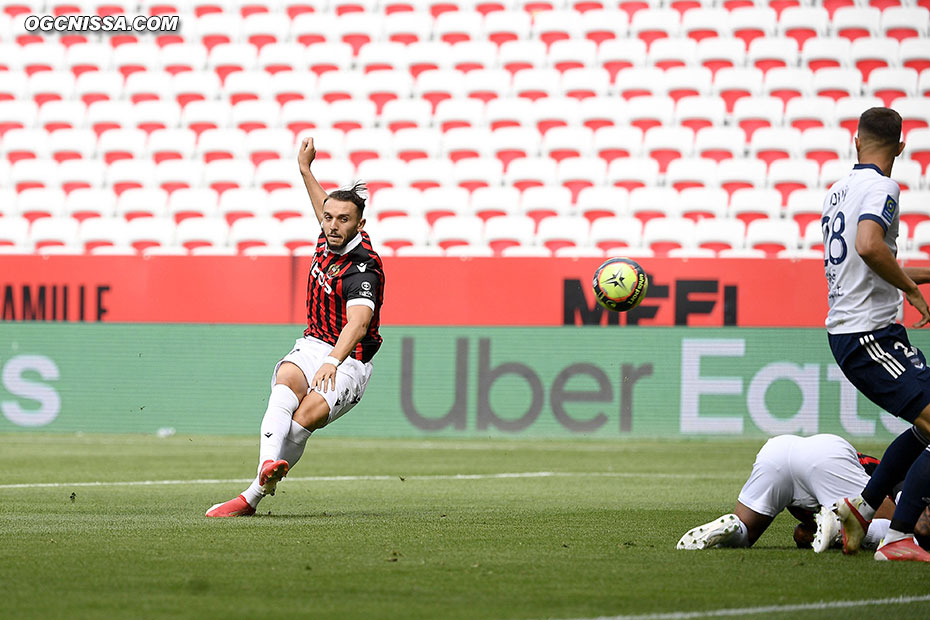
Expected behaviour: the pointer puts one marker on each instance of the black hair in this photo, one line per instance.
(880, 125)
(353, 195)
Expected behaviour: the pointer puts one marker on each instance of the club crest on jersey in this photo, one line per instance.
(332, 271)
(891, 206)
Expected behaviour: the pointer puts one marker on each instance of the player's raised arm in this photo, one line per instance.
(305, 156)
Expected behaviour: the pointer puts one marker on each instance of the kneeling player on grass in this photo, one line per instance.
(806, 475)
(326, 373)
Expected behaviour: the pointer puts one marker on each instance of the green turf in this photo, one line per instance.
(404, 546)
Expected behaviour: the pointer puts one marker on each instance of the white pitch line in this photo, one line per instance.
(768, 609)
(426, 478)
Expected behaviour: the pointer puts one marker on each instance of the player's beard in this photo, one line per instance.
(335, 248)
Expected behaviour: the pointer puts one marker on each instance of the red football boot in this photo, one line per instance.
(236, 507)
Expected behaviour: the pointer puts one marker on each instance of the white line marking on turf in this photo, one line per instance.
(717, 613)
(426, 478)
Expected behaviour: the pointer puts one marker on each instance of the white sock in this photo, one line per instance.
(863, 507)
(277, 423)
(877, 530)
(254, 493)
(893, 536)
(739, 538)
(294, 443)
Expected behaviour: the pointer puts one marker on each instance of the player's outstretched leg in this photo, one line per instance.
(854, 525)
(828, 529)
(236, 507)
(721, 532)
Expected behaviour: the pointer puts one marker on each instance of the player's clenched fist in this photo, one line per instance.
(306, 154)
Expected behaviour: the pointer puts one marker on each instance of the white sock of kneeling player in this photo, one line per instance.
(878, 528)
(277, 423)
(294, 443)
(739, 538)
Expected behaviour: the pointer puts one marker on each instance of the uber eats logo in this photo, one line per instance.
(26, 398)
(520, 396)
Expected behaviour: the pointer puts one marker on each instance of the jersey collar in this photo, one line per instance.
(872, 166)
(349, 246)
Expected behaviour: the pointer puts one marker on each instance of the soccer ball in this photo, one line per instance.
(620, 284)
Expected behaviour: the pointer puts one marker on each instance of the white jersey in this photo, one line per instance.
(805, 472)
(860, 300)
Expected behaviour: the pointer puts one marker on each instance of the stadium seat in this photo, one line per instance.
(856, 22)
(14, 232)
(688, 173)
(826, 53)
(597, 113)
(735, 84)
(530, 172)
(198, 232)
(633, 172)
(915, 207)
(719, 143)
(535, 84)
(640, 81)
(907, 173)
(788, 83)
(766, 53)
(511, 143)
(55, 115)
(99, 232)
(803, 113)
(398, 232)
(378, 174)
(648, 112)
(834, 170)
(804, 23)
(613, 142)
(40, 202)
(254, 232)
(142, 203)
(507, 112)
(454, 113)
(456, 230)
(425, 174)
(869, 54)
(395, 202)
(470, 55)
(552, 112)
(80, 173)
(821, 144)
(700, 112)
(655, 23)
(365, 144)
(772, 235)
(585, 83)
(98, 86)
(443, 201)
(698, 203)
(85, 203)
(805, 206)
(613, 234)
(788, 175)
(578, 173)
(564, 142)
(667, 143)
(717, 234)
(481, 84)
(509, 231)
(238, 203)
(289, 202)
(615, 55)
(753, 113)
(559, 26)
(670, 53)
(753, 22)
(648, 203)
(915, 54)
(914, 112)
(902, 23)
(54, 231)
(185, 203)
(562, 231)
(437, 85)
(889, 84)
(721, 53)
(664, 234)
(736, 174)
(849, 109)
(21, 144)
(594, 203)
(918, 147)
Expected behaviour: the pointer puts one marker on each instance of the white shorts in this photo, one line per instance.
(351, 376)
(806, 472)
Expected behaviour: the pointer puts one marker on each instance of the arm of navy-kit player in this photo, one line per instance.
(305, 156)
(359, 316)
(870, 244)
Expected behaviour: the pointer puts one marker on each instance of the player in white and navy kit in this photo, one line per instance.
(860, 227)
(801, 474)
(327, 371)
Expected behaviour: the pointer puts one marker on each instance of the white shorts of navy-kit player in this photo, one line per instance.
(871, 348)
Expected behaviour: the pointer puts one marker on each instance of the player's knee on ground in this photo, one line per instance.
(804, 535)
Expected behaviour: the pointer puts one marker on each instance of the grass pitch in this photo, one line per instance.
(385, 529)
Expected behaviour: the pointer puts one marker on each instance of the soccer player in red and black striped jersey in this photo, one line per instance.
(326, 373)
